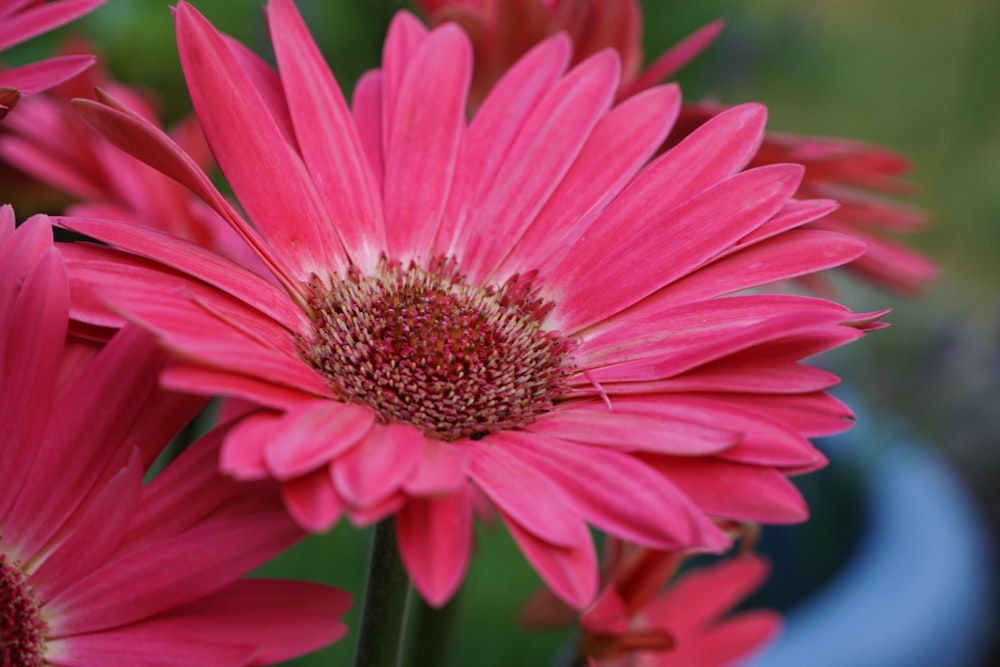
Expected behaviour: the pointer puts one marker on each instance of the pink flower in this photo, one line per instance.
(523, 302)
(49, 141)
(638, 622)
(95, 568)
(20, 20)
(856, 174)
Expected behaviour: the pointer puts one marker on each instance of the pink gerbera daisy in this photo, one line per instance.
(523, 302)
(20, 20)
(95, 568)
(861, 177)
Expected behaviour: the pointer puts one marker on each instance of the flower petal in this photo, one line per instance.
(422, 145)
(538, 158)
(734, 490)
(646, 509)
(312, 501)
(570, 571)
(267, 175)
(327, 137)
(379, 465)
(314, 434)
(667, 241)
(435, 543)
(526, 495)
(621, 143)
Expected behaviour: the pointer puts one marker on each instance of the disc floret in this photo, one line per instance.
(22, 629)
(421, 346)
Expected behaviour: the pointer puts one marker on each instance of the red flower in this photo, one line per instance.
(95, 567)
(524, 302)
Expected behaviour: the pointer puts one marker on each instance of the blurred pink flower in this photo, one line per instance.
(20, 20)
(95, 568)
(858, 175)
(50, 142)
(640, 621)
(525, 302)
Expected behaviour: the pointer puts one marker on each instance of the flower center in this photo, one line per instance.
(423, 347)
(22, 630)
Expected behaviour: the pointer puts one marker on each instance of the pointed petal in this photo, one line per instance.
(679, 55)
(592, 423)
(41, 18)
(790, 255)
(405, 36)
(702, 596)
(668, 244)
(735, 490)
(267, 175)
(31, 345)
(133, 586)
(621, 143)
(366, 109)
(36, 77)
(570, 571)
(135, 135)
(197, 262)
(646, 510)
(423, 140)
(494, 127)
(329, 142)
(537, 160)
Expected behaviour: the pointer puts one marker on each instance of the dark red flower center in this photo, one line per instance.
(423, 347)
(22, 630)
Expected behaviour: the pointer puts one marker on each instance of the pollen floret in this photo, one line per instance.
(423, 347)
(22, 629)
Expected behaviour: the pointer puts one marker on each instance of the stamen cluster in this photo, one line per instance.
(22, 630)
(422, 347)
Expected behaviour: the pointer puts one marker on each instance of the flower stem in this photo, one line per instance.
(431, 636)
(383, 617)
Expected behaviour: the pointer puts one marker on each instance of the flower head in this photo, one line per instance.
(20, 20)
(862, 177)
(95, 567)
(522, 304)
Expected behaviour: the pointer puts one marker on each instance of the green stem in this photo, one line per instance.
(431, 636)
(383, 617)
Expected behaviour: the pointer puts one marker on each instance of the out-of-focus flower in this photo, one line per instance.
(861, 177)
(525, 302)
(20, 20)
(504, 30)
(95, 568)
(50, 142)
(638, 622)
